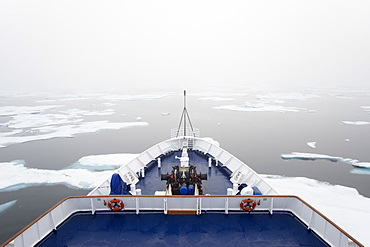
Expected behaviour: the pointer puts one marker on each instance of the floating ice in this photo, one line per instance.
(31, 123)
(102, 162)
(15, 110)
(362, 164)
(360, 171)
(70, 130)
(81, 175)
(38, 120)
(310, 156)
(11, 133)
(138, 118)
(77, 112)
(343, 205)
(4, 207)
(311, 144)
(260, 107)
(356, 122)
(106, 96)
(366, 108)
(344, 97)
(166, 113)
(86, 127)
(218, 95)
(134, 97)
(216, 99)
(87, 173)
(271, 102)
(283, 97)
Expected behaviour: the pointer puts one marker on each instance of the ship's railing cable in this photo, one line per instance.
(185, 115)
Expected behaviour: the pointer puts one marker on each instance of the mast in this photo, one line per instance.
(185, 115)
(184, 111)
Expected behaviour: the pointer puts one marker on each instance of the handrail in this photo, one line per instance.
(176, 132)
(289, 203)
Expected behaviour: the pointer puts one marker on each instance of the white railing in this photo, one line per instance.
(241, 172)
(313, 219)
(176, 132)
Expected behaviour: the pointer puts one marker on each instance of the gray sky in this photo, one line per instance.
(115, 43)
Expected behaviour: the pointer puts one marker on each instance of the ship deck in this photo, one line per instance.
(157, 229)
(218, 177)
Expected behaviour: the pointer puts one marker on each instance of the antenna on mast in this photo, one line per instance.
(185, 115)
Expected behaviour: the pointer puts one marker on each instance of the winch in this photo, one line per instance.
(184, 181)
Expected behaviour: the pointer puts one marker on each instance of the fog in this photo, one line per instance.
(168, 44)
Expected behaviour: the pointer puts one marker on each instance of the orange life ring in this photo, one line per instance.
(248, 204)
(116, 205)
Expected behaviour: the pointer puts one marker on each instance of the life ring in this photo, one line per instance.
(116, 205)
(248, 204)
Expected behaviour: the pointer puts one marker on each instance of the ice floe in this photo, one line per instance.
(31, 123)
(79, 112)
(311, 144)
(260, 107)
(68, 130)
(361, 164)
(134, 97)
(86, 173)
(343, 205)
(166, 114)
(106, 95)
(74, 177)
(5, 206)
(16, 110)
(284, 97)
(39, 120)
(366, 108)
(271, 102)
(356, 122)
(216, 98)
(311, 156)
(361, 170)
(102, 162)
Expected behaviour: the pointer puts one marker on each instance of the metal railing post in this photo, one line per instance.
(137, 200)
(199, 206)
(271, 205)
(226, 205)
(165, 205)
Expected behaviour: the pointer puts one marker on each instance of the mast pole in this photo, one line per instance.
(184, 112)
(185, 115)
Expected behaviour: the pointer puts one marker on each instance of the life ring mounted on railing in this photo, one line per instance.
(248, 204)
(115, 205)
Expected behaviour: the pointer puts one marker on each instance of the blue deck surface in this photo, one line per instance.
(216, 184)
(157, 229)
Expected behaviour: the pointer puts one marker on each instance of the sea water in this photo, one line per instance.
(45, 136)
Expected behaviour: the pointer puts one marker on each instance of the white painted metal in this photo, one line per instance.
(159, 162)
(313, 219)
(179, 132)
(241, 173)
